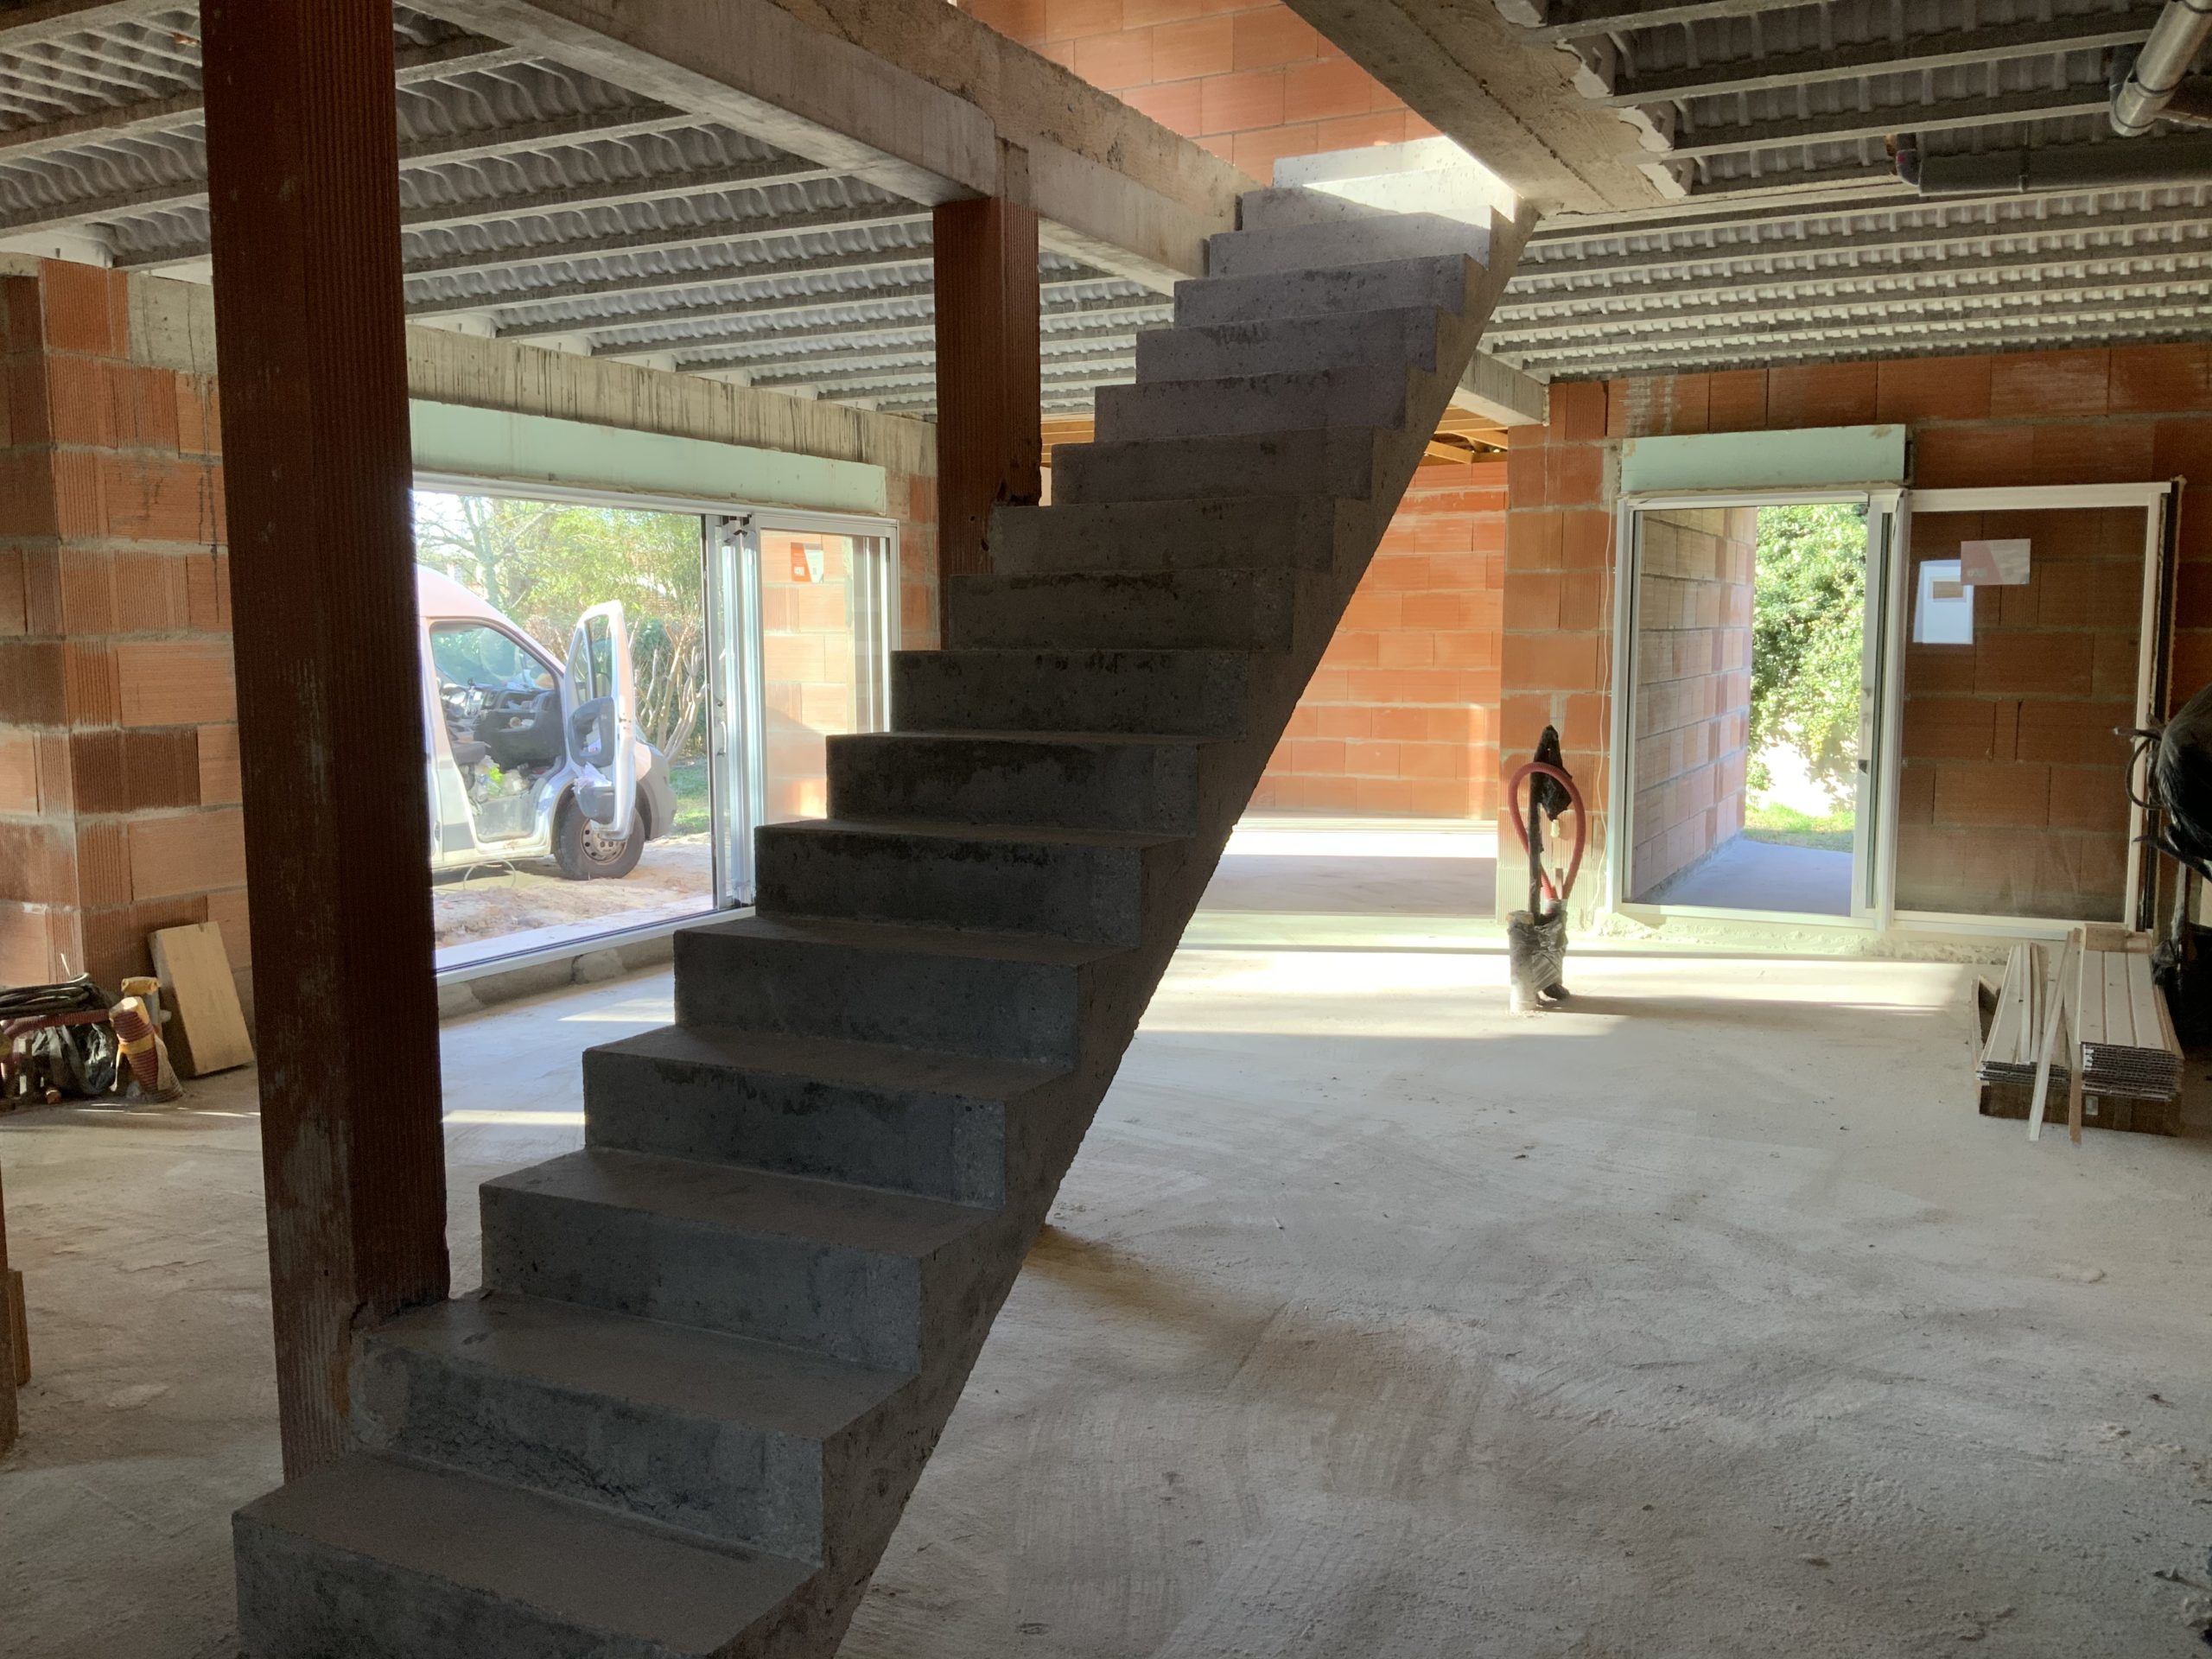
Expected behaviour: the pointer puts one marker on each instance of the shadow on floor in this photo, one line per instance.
(1748, 875)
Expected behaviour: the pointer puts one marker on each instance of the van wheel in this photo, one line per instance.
(587, 853)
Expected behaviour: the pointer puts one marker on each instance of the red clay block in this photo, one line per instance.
(1238, 103)
(1174, 104)
(1532, 542)
(1819, 394)
(2037, 385)
(1973, 457)
(1578, 411)
(2109, 451)
(1114, 61)
(2011, 794)
(1191, 49)
(2161, 379)
(1256, 153)
(1326, 89)
(81, 308)
(1065, 20)
(1736, 400)
(1272, 35)
(1916, 389)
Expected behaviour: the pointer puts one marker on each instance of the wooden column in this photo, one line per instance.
(302, 155)
(9, 1360)
(989, 374)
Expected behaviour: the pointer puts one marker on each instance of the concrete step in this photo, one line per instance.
(1341, 461)
(1094, 782)
(1392, 341)
(1444, 282)
(1364, 394)
(1090, 885)
(1243, 532)
(934, 1125)
(1281, 207)
(1357, 242)
(853, 1273)
(1009, 996)
(1150, 693)
(734, 1440)
(369, 1558)
(1172, 610)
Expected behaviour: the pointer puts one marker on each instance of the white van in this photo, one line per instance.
(530, 757)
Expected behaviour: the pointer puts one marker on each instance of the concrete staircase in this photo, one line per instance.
(717, 1345)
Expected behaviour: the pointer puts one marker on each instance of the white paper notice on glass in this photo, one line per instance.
(1942, 610)
(1994, 564)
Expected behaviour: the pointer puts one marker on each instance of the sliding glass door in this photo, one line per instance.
(1752, 720)
(807, 622)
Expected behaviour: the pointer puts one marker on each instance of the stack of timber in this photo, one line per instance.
(2115, 1062)
(2129, 1052)
(2012, 1030)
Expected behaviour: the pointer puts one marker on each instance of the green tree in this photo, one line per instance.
(544, 563)
(1807, 623)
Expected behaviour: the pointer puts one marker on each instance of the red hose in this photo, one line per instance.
(1557, 895)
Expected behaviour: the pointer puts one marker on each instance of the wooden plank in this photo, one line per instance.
(2120, 1012)
(2093, 997)
(311, 350)
(2073, 1081)
(2053, 1015)
(2144, 1001)
(200, 988)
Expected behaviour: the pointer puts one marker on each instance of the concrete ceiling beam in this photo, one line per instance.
(446, 150)
(1756, 342)
(661, 281)
(1497, 391)
(160, 118)
(1576, 20)
(1858, 60)
(674, 238)
(2030, 278)
(2007, 109)
(40, 23)
(1541, 283)
(931, 114)
(1470, 73)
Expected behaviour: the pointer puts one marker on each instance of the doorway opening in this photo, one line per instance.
(1753, 704)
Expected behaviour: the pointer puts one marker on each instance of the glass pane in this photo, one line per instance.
(821, 659)
(503, 583)
(2012, 796)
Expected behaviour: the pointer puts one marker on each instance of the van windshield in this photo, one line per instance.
(472, 653)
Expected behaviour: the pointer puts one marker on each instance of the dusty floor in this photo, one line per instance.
(1705, 1320)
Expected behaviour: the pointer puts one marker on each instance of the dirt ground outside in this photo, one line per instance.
(497, 909)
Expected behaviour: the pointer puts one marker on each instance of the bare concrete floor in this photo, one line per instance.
(1705, 1320)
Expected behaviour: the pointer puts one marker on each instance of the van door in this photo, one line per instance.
(600, 706)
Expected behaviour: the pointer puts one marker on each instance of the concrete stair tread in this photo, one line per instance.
(859, 1066)
(750, 1201)
(1007, 835)
(674, 1368)
(587, 1567)
(914, 941)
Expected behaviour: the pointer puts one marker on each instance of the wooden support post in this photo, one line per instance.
(9, 1358)
(303, 153)
(989, 385)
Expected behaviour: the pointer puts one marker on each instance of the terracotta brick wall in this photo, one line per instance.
(120, 790)
(1249, 81)
(119, 756)
(1400, 716)
(2012, 799)
(1694, 664)
(2124, 415)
